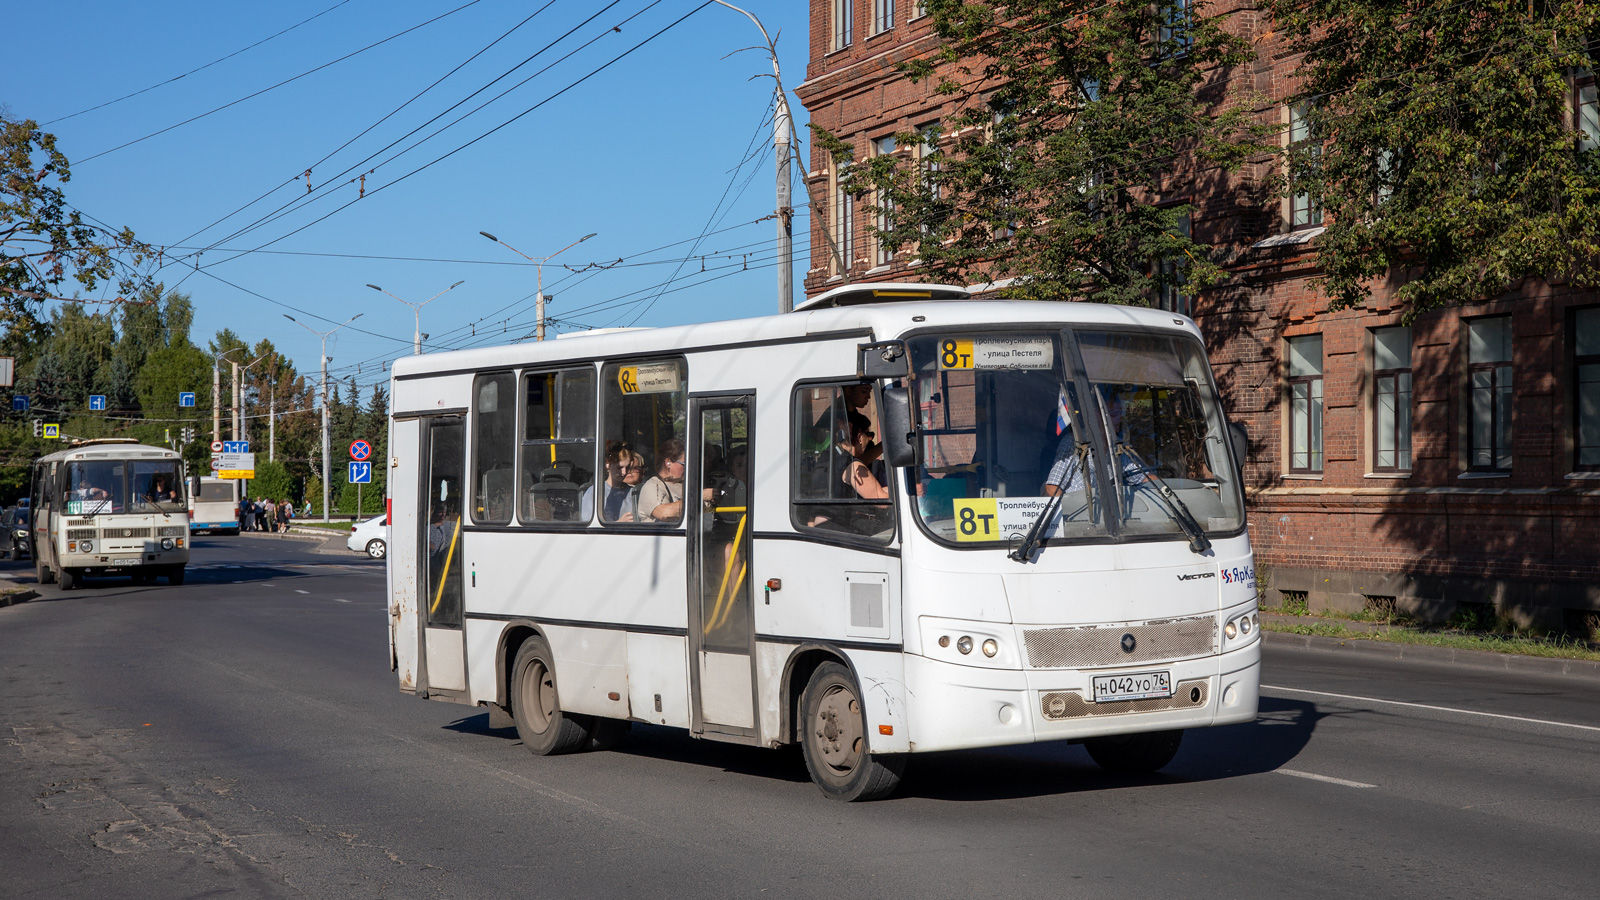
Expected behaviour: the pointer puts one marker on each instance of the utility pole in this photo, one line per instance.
(216, 401)
(539, 298)
(272, 424)
(323, 336)
(782, 135)
(233, 414)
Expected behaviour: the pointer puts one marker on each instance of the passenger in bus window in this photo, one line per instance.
(87, 491)
(624, 471)
(866, 453)
(661, 498)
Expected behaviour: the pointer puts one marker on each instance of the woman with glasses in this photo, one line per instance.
(624, 471)
(661, 498)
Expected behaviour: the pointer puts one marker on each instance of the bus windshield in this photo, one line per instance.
(100, 487)
(1008, 421)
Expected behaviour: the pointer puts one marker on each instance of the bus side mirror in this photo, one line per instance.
(886, 359)
(1240, 437)
(899, 435)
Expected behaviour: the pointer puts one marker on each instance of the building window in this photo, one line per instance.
(930, 160)
(844, 228)
(883, 255)
(1489, 380)
(1588, 114)
(882, 16)
(1586, 363)
(1304, 211)
(844, 14)
(919, 8)
(1305, 404)
(1170, 274)
(1391, 369)
(1174, 36)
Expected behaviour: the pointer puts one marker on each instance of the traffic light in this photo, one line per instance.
(38, 428)
(188, 434)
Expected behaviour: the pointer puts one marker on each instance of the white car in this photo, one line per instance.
(370, 537)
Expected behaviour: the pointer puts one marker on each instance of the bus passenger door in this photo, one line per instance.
(718, 500)
(440, 509)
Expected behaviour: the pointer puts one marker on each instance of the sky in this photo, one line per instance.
(665, 154)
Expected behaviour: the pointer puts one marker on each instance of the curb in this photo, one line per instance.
(1482, 660)
(22, 595)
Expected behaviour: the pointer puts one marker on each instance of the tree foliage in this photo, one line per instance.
(1079, 120)
(1443, 149)
(44, 242)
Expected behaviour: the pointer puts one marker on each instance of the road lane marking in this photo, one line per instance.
(1328, 778)
(340, 600)
(298, 591)
(1451, 709)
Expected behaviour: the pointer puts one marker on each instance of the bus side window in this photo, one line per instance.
(645, 409)
(558, 460)
(839, 483)
(494, 423)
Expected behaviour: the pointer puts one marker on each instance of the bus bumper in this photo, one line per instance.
(953, 707)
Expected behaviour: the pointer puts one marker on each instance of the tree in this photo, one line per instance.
(1442, 146)
(1078, 120)
(43, 241)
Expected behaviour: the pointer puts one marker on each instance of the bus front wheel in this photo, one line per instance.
(834, 738)
(1134, 754)
(46, 574)
(175, 576)
(69, 579)
(535, 704)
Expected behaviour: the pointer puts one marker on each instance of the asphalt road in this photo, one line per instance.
(243, 736)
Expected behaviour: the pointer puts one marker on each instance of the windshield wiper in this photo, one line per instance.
(1173, 506)
(1023, 551)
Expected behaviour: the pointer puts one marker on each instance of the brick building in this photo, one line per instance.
(1452, 465)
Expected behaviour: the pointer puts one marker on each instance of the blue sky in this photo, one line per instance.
(671, 141)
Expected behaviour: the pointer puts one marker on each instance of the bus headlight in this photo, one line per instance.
(86, 546)
(166, 543)
(1231, 630)
(990, 648)
(964, 644)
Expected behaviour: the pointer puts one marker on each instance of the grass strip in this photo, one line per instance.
(1558, 648)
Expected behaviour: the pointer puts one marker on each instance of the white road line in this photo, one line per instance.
(1328, 778)
(298, 591)
(340, 600)
(1452, 709)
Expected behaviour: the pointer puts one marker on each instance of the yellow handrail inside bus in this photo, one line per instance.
(446, 574)
(724, 596)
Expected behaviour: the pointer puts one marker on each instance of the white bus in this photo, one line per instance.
(214, 505)
(109, 507)
(692, 526)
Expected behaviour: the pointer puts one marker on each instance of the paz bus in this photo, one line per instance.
(109, 507)
(894, 521)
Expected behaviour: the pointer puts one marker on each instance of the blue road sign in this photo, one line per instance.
(361, 473)
(235, 446)
(97, 401)
(360, 450)
(186, 398)
(20, 403)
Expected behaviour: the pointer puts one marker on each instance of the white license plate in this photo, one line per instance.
(1133, 686)
(125, 562)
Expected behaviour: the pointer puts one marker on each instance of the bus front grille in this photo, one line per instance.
(1073, 705)
(172, 531)
(114, 533)
(80, 534)
(1108, 645)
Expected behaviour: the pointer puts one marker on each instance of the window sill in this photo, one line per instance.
(1303, 476)
(886, 31)
(1394, 475)
(876, 270)
(1475, 476)
(1290, 238)
(1582, 476)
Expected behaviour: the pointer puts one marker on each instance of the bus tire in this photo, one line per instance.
(45, 574)
(536, 706)
(1134, 754)
(608, 733)
(69, 579)
(834, 737)
(175, 575)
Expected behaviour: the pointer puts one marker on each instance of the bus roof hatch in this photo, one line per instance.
(882, 292)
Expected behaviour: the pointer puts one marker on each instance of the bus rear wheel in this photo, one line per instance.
(536, 706)
(834, 738)
(1134, 754)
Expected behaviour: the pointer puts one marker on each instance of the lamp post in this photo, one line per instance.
(323, 336)
(538, 262)
(416, 309)
(781, 139)
(240, 373)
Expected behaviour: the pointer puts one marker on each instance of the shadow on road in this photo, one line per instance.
(1279, 733)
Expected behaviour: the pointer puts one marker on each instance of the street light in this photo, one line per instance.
(539, 262)
(323, 336)
(416, 308)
